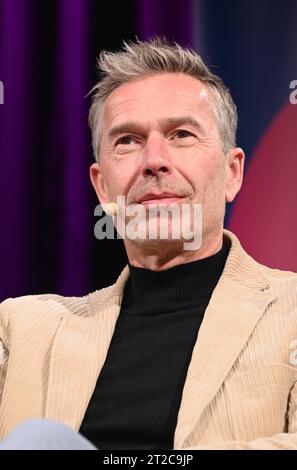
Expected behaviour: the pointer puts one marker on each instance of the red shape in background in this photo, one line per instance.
(264, 216)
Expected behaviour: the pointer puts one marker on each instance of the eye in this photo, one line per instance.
(182, 134)
(126, 140)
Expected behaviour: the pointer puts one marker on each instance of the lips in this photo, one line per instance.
(161, 198)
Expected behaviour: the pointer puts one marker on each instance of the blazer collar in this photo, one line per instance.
(78, 353)
(239, 300)
(82, 342)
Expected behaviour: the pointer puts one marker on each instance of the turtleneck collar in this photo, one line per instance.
(182, 286)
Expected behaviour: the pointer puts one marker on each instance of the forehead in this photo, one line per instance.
(157, 97)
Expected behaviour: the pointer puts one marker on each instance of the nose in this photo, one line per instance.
(155, 158)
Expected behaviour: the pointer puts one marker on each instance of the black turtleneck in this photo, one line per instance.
(138, 393)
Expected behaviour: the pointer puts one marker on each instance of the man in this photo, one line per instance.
(190, 348)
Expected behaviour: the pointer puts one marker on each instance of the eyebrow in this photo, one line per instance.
(182, 121)
(134, 126)
(126, 127)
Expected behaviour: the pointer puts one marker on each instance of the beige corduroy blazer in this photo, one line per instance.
(241, 386)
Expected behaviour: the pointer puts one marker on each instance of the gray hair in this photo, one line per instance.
(141, 59)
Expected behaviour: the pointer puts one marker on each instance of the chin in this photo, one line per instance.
(157, 244)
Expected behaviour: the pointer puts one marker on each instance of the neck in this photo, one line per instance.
(161, 254)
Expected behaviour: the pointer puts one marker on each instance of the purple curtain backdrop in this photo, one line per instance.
(71, 86)
(45, 145)
(46, 200)
(173, 19)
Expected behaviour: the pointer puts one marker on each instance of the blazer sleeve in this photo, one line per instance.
(281, 441)
(4, 315)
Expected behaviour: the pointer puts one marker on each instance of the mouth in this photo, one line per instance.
(158, 199)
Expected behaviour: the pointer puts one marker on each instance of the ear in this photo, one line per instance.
(234, 177)
(98, 183)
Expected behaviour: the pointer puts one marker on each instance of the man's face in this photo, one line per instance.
(160, 135)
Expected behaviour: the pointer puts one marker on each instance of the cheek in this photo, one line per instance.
(202, 174)
(126, 168)
(116, 180)
(215, 192)
(209, 182)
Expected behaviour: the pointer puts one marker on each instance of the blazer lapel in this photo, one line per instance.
(234, 309)
(78, 354)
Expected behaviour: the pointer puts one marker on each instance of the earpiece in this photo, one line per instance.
(110, 208)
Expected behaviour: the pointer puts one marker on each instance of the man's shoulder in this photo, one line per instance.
(245, 269)
(278, 275)
(44, 312)
(54, 301)
(59, 304)
(280, 282)
(283, 281)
